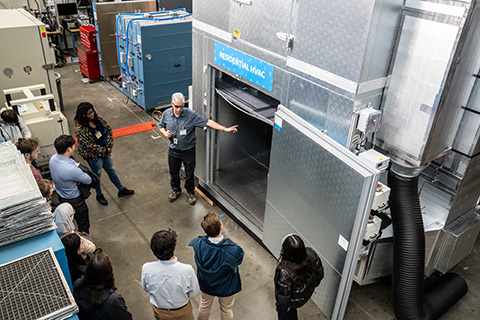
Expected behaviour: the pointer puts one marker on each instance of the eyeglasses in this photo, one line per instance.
(178, 106)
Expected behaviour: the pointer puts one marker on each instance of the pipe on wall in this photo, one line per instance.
(410, 301)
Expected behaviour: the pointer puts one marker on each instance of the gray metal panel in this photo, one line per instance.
(458, 84)
(474, 99)
(468, 134)
(105, 21)
(259, 23)
(332, 35)
(323, 108)
(330, 283)
(468, 191)
(459, 239)
(213, 12)
(382, 33)
(420, 67)
(196, 101)
(324, 193)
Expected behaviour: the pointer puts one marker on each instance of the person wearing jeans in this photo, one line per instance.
(178, 124)
(95, 143)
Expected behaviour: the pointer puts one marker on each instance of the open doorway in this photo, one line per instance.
(241, 161)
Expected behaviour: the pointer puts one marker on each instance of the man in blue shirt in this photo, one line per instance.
(171, 284)
(217, 260)
(66, 175)
(178, 125)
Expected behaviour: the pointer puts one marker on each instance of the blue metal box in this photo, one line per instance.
(155, 55)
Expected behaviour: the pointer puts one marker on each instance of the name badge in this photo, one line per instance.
(175, 141)
(183, 132)
(98, 134)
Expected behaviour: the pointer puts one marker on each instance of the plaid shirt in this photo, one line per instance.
(87, 147)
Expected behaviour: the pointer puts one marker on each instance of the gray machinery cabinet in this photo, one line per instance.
(25, 58)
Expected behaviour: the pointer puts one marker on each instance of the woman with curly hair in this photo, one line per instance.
(95, 292)
(298, 273)
(95, 143)
(29, 149)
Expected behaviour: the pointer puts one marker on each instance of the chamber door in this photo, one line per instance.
(320, 191)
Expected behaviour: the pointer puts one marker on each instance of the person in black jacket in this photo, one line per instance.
(298, 273)
(73, 250)
(95, 292)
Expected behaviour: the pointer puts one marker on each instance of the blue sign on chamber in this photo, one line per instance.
(246, 66)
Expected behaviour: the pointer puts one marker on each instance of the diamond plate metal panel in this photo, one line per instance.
(214, 12)
(259, 23)
(332, 35)
(339, 115)
(321, 192)
(311, 169)
(275, 222)
(199, 88)
(321, 107)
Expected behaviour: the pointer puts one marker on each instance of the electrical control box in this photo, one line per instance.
(369, 120)
(155, 55)
(375, 159)
(380, 199)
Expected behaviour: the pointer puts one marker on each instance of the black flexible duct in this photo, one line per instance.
(409, 300)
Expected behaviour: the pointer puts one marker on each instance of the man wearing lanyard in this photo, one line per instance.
(178, 125)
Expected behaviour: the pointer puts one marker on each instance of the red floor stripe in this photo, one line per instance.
(120, 132)
(125, 131)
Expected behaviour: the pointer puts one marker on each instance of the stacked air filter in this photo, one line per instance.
(34, 287)
(24, 212)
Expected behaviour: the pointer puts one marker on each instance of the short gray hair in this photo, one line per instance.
(178, 97)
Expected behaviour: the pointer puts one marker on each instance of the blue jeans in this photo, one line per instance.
(107, 164)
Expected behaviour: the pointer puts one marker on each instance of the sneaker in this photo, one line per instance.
(102, 200)
(174, 195)
(191, 199)
(125, 192)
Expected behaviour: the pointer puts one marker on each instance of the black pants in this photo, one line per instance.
(175, 159)
(283, 314)
(81, 212)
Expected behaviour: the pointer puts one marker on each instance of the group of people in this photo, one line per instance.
(170, 283)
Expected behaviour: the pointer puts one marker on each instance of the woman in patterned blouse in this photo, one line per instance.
(95, 143)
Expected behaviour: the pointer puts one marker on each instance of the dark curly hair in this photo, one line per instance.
(163, 244)
(81, 114)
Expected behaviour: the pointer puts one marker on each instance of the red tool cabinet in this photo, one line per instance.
(87, 53)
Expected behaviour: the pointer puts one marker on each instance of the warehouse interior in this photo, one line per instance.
(360, 135)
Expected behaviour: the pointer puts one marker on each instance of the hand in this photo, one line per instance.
(167, 133)
(232, 129)
(109, 151)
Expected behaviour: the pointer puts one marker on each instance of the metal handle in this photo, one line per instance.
(245, 2)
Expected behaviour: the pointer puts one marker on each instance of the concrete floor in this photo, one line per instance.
(123, 228)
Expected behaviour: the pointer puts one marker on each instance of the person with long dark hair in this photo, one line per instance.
(298, 273)
(95, 292)
(73, 250)
(95, 143)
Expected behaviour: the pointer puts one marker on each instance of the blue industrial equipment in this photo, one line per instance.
(155, 55)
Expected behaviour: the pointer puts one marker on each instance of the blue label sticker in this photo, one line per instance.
(244, 65)
(278, 127)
